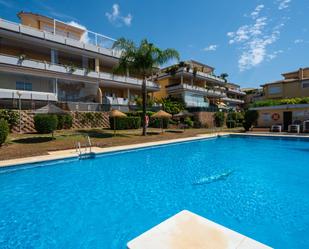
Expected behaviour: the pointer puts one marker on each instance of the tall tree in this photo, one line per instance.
(142, 59)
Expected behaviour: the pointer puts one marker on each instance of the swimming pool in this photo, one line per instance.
(256, 186)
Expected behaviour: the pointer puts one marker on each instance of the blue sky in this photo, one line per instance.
(254, 41)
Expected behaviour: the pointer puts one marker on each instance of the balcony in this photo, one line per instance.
(196, 89)
(27, 95)
(236, 91)
(206, 76)
(57, 68)
(95, 43)
(231, 100)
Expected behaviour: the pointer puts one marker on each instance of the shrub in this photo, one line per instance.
(219, 119)
(188, 122)
(64, 121)
(234, 119)
(45, 123)
(4, 130)
(157, 123)
(251, 117)
(10, 116)
(172, 105)
(274, 102)
(230, 123)
(125, 123)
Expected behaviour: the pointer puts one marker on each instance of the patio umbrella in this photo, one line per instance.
(161, 115)
(49, 109)
(116, 114)
(184, 113)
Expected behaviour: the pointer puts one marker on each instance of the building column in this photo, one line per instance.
(128, 94)
(181, 79)
(85, 62)
(97, 65)
(55, 87)
(99, 97)
(54, 56)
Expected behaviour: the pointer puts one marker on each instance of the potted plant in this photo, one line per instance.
(21, 58)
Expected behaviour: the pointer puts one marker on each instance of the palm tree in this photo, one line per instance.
(142, 60)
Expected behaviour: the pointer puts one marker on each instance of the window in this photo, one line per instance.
(24, 86)
(305, 84)
(274, 89)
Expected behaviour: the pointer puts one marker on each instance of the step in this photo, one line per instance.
(187, 230)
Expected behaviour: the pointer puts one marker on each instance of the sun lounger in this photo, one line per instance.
(306, 126)
(294, 128)
(276, 128)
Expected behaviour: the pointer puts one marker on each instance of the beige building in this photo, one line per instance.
(198, 87)
(295, 84)
(47, 60)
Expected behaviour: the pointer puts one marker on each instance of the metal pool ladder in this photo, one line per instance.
(87, 153)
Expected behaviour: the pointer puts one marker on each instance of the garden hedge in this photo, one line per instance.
(11, 116)
(4, 130)
(125, 123)
(219, 119)
(64, 121)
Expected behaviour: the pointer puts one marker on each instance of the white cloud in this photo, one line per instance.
(257, 11)
(85, 37)
(210, 48)
(116, 18)
(274, 54)
(283, 4)
(254, 40)
(297, 41)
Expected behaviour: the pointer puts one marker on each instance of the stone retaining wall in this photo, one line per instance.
(80, 120)
(206, 118)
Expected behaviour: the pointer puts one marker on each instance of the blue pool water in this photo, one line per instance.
(256, 186)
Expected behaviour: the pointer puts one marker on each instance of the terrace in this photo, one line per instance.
(210, 92)
(94, 43)
(70, 71)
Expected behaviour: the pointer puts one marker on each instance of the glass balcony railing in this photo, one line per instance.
(193, 88)
(27, 95)
(89, 41)
(232, 100)
(237, 91)
(204, 75)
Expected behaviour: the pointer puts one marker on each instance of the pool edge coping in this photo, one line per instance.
(71, 153)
